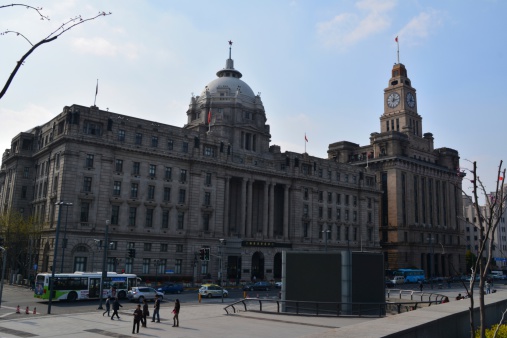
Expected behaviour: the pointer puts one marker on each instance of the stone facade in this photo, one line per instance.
(421, 203)
(167, 192)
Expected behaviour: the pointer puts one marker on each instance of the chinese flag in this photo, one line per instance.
(306, 139)
(396, 39)
(209, 116)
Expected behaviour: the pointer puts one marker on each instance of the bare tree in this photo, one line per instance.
(71, 23)
(489, 216)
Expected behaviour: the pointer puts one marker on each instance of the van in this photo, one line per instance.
(398, 280)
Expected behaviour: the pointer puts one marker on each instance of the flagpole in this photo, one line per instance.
(398, 52)
(96, 91)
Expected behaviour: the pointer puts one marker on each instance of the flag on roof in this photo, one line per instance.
(306, 138)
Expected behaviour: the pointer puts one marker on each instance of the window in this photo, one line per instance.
(179, 247)
(23, 191)
(177, 267)
(305, 229)
(207, 198)
(170, 144)
(205, 222)
(354, 234)
(347, 198)
(167, 194)
(329, 213)
(338, 233)
(204, 267)
(321, 196)
(128, 265)
(87, 184)
(354, 201)
(147, 247)
(89, 161)
(151, 192)
(181, 219)
(146, 265)
(91, 128)
(347, 178)
(320, 172)
(370, 234)
(163, 247)
(139, 138)
(80, 264)
(152, 170)
(346, 215)
(209, 151)
(133, 190)
(165, 219)
(370, 217)
(181, 196)
(338, 177)
(184, 147)
(338, 214)
(26, 172)
(132, 216)
(117, 188)
(354, 216)
(321, 212)
(154, 141)
(305, 210)
(369, 202)
(208, 179)
(118, 166)
(115, 214)
(149, 218)
(183, 176)
(305, 193)
(121, 135)
(57, 162)
(329, 197)
(338, 198)
(85, 209)
(168, 173)
(347, 230)
(135, 168)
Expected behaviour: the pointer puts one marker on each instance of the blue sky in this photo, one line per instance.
(320, 66)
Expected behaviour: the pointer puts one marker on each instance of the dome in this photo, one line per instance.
(230, 83)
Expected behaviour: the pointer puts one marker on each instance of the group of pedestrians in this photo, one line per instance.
(141, 314)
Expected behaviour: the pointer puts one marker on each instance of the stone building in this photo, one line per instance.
(421, 186)
(165, 192)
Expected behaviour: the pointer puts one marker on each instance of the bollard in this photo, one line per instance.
(199, 297)
(244, 294)
(34, 310)
(17, 310)
(27, 311)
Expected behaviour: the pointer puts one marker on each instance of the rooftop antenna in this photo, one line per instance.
(230, 46)
(398, 52)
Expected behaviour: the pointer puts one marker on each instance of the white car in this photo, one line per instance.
(141, 293)
(212, 290)
(398, 280)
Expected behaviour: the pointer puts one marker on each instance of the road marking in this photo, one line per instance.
(107, 333)
(17, 332)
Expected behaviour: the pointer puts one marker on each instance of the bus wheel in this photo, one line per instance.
(122, 294)
(72, 296)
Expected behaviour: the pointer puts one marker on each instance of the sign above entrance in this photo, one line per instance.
(266, 244)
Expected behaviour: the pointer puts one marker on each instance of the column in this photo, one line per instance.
(272, 210)
(226, 226)
(265, 209)
(242, 213)
(286, 212)
(249, 208)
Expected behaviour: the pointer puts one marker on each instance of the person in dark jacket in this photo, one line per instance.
(176, 312)
(156, 309)
(116, 307)
(146, 312)
(108, 306)
(138, 315)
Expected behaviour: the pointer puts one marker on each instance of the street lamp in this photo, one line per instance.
(326, 235)
(53, 267)
(222, 243)
(64, 244)
(4, 257)
(104, 272)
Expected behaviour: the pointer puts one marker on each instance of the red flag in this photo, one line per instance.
(396, 39)
(209, 116)
(306, 139)
(500, 178)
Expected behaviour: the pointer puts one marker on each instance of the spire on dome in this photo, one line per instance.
(229, 66)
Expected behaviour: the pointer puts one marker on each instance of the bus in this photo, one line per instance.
(411, 275)
(84, 285)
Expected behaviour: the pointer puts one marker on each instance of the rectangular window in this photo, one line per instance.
(151, 192)
(168, 173)
(208, 179)
(87, 184)
(136, 168)
(354, 216)
(181, 196)
(121, 135)
(128, 265)
(354, 201)
(117, 188)
(209, 151)
(346, 215)
(165, 219)
(24, 189)
(146, 265)
(305, 193)
(139, 138)
(207, 198)
(305, 229)
(370, 217)
(347, 230)
(338, 198)
(183, 176)
(369, 202)
(149, 218)
(205, 222)
(118, 166)
(181, 219)
(179, 247)
(133, 190)
(167, 194)
(152, 170)
(338, 214)
(204, 268)
(347, 178)
(115, 214)
(154, 141)
(132, 216)
(184, 147)
(321, 212)
(329, 197)
(329, 213)
(321, 196)
(305, 210)
(26, 172)
(177, 267)
(170, 144)
(347, 199)
(85, 210)
(147, 247)
(89, 161)
(163, 247)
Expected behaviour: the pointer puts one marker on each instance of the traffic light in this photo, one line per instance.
(206, 254)
(132, 253)
(201, 254)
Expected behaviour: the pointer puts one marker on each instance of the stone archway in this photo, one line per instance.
(258, 266)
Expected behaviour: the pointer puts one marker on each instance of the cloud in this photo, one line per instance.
(421, 27)
(347, 29)
(102, 47)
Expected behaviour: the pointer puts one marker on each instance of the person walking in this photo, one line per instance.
(138, 315)
(156, 310)
(108, 306)
(176, 312)
(420, 285)
(488, 287)
(146, 313)
(116, 307)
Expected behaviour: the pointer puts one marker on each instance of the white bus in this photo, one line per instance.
(84, 285)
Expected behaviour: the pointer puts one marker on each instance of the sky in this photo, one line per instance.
(321, 67)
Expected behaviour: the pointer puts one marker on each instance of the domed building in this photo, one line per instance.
(207, 201)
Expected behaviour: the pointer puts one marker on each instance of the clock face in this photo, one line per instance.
(410, 100)
(393, 100)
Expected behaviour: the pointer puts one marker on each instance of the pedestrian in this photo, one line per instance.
(156, 309)
(138, 315)
(459, 296)
(420, 285)
(146, 312)
(108, 306)
(176, 312)
(116, 307)
(445, 300)
(488, 287)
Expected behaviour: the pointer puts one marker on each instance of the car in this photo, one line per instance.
(389, 283)
(259, 286)
(212, 290)
(141, 293)
(398, 280)
(278, 285)
(171, 288)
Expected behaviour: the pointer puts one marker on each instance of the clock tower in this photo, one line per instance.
(400, 105)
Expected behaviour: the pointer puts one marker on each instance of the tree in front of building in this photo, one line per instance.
(470, 260)
(71, 23)
(489, 216)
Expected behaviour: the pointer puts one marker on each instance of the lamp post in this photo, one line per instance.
(326, 235)
(222, 243)
(4, 258)
(64, 242)
(104, 265)
(53, 267)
